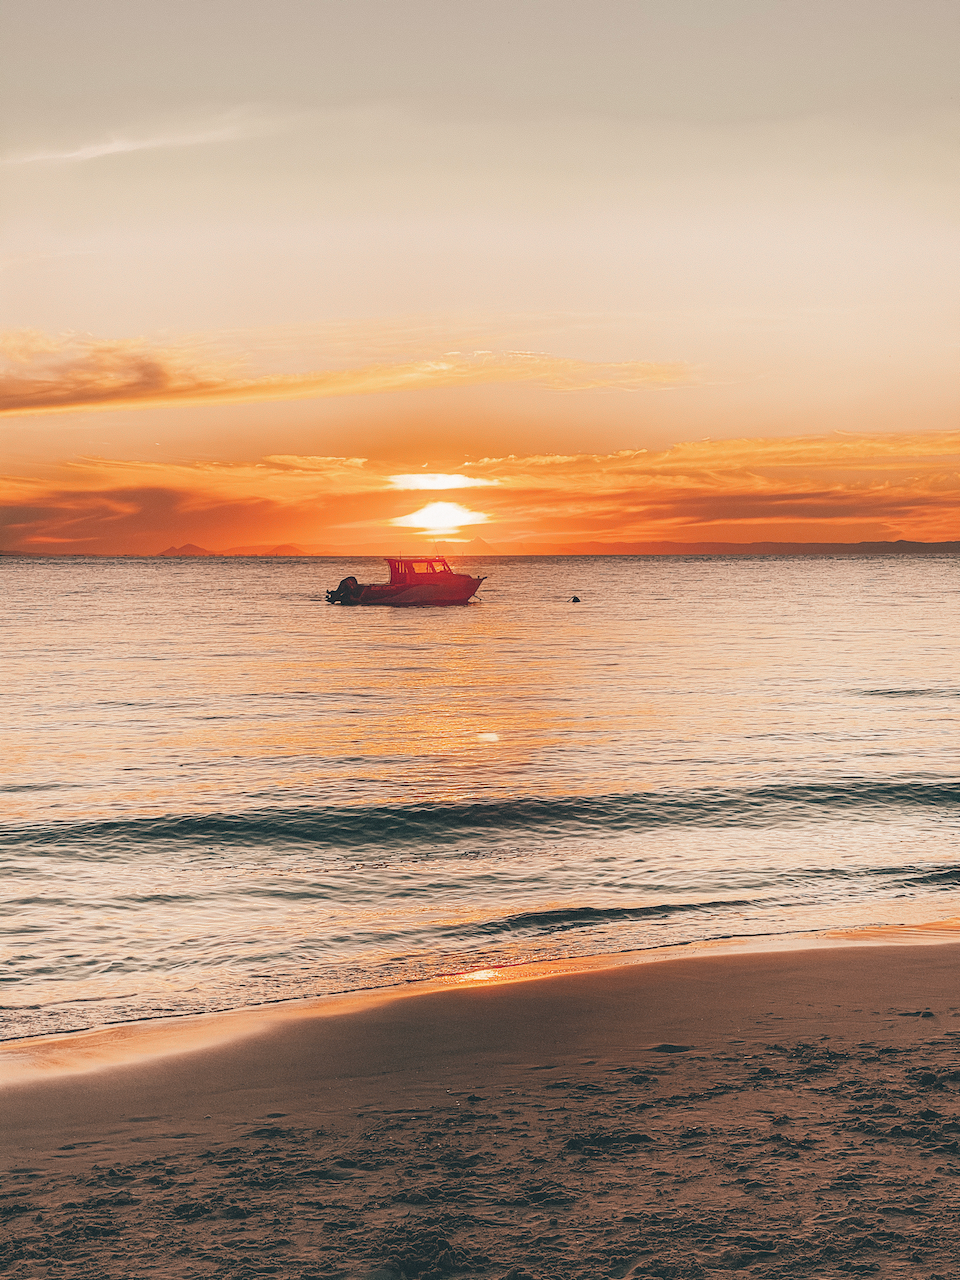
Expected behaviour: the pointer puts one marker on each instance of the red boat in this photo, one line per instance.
(413, 580)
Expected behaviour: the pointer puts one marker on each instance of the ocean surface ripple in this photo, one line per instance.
(221, 791)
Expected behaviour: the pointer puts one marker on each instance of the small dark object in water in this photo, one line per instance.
(574, 599)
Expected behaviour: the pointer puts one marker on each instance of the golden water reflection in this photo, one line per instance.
(231, 693)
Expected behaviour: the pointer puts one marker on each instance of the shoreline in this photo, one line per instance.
(140, 1039)
(790, 1112)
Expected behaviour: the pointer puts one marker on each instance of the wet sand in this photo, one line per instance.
(782, 1114)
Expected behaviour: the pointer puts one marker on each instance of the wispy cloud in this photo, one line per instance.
(51, 375)
(241, 123)
(438, 480)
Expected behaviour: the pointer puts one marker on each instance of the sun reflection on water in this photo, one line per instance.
(221, 791)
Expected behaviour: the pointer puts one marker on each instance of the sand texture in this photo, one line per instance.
(779, 1116)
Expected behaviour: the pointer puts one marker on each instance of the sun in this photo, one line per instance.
(441, 518)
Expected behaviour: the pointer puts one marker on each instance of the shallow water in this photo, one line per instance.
(220, 790)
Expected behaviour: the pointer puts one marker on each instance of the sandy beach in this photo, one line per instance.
(779, 1114)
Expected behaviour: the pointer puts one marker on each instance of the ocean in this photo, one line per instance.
(220, 791)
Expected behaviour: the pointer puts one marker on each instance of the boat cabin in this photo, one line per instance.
(417, 569)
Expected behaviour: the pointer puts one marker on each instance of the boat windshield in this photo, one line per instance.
(407, 569)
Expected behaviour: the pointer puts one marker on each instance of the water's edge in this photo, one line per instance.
(30, 1058)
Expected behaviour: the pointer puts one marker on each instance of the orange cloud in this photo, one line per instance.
(836, 487)
(832, 488)
(438, 480)
(39, 374)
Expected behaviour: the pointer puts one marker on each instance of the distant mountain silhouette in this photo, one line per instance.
(188, 549)
(475, 547)
(478, 547)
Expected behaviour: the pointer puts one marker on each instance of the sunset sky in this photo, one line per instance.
(356, 274)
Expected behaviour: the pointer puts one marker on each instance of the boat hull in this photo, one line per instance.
(450, 588)
(459, 591)
(414, 580)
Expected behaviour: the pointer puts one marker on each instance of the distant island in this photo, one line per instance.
(477, 547)
(282, 549)
(188, 549)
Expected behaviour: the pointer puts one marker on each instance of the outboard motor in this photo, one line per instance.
(348, 592)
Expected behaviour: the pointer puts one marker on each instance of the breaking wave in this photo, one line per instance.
(390, 826)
